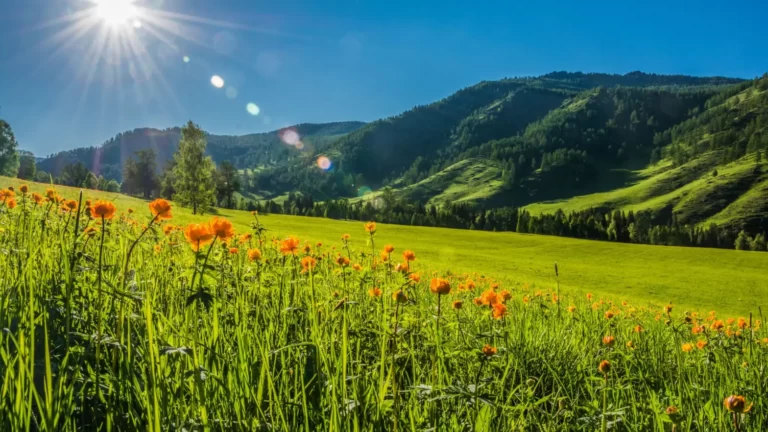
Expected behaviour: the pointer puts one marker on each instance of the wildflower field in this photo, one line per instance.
(145, 318)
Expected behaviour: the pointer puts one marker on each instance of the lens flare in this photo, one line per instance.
(363, 191)
(231, 92)
(186, 59)
(289, 136)
(217, 81)
(324, 163)
(252, 109)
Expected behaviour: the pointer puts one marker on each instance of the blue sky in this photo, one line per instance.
(319, 61)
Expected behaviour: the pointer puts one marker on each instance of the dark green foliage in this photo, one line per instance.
(9, 158)
(140, 174)
(227, 183)
(27, 168)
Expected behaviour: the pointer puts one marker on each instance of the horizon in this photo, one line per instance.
(287, 64)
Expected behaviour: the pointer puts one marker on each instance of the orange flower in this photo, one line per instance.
(6, 194)
(667, 309)
(389, 249)
(370, 227)
(24, 189)
(168, 229)
(374, 292)
(687, 347)
(342, 260)
(737, 404)
(701, 344)
(384, 257)
(71, 205)
(399, 296)
(457, 304)
(415, 277)
(319, 244)
(571, 308)
(499, 310)
(158, 248)
(307, 248)
(478, 301)
(638, 329)
(439, 286)
(608, 315)
(160, 208)
(489, 351)
(605, 367)
(254, 254)
(402, 268)
(409, 256)
(717, 325)
(234, 251)
(289, 245)
(742, 323)
(37, 198)
(308, 263)
(245, 238)
(589, 296)
(197, 235)
(11, 203)
(50, 193)
(357, 267)
(103, 209)
(505, 295)
(87, 202)
(609, 340)
(672, 410)
(489, 297)
(345, 237)
(221, 228)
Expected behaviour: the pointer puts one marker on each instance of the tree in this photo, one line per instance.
(758, 243)
(140, 176)
(76, 174)
(193, 174)
(227, 183)
(743, 241)
(9, 159)
(42, 177)
(27, 166)
(167, 179)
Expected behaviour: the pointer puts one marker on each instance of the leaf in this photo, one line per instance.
(172, 351)
(203, 296)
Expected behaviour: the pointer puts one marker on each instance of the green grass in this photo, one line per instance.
(690, 191)
(641, 273)
(96, 337)
(471, 180)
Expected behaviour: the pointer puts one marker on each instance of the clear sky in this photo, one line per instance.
(74, 73)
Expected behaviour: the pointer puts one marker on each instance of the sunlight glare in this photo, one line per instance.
(115, 13)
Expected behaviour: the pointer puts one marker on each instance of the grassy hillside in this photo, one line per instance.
(644, 274)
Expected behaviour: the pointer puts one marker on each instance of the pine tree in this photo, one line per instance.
(742, 241)
(9, 158)
(193, 173)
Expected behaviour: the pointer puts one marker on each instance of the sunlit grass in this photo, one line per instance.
(111, 321)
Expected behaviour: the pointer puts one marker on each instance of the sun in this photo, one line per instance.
(115, 13)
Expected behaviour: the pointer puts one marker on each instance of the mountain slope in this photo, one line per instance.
(713, 168)
(246, 151)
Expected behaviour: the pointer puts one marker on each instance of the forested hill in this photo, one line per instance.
(244, 151)
(410, 147)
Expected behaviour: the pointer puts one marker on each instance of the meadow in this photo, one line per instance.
(119, 314)
(695, 279)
